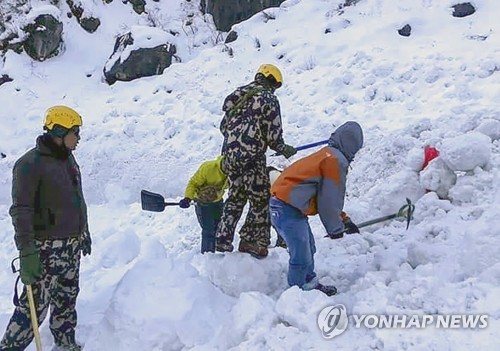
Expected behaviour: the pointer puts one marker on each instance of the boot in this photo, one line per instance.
(223, 247)
(328, 290)
(253, 249)
(71, 347)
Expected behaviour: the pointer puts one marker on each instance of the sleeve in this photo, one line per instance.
(274, 131)
(330, 198)
(25, 183)
(196, 182)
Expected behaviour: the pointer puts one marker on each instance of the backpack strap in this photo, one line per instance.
(243, 99)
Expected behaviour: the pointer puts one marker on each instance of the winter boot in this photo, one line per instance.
(70, 347)
(328, 290)
(223, 247)
(253, 249)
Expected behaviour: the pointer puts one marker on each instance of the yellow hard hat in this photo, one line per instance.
(271, 70)
(63, 116)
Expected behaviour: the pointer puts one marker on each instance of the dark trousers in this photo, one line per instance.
(209, 215)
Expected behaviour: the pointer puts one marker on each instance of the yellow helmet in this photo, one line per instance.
(268, 70)
(63, 116)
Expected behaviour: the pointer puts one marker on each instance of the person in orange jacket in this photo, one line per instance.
(314, 185)
(206, 187)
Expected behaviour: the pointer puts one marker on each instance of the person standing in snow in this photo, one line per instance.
(314, 185)
(251, 124)
(206, 187)
(49, 215)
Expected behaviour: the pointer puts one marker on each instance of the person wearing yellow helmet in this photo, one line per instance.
(49, 215)
(272, 75)
(251, 125)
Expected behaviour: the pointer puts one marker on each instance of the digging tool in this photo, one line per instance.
(406, 211)
(154, 202)
(307, 146)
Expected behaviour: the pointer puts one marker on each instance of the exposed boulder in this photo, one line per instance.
(143, 52)
(89, 23)
(44, 37)
(405, 31)
(5, 78)
(229, 12)
(138, 5)
(232, 36)
(463, 9)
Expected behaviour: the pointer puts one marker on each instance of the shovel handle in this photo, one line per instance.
(171, 203)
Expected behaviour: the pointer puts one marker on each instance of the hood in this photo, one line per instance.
(348, 139)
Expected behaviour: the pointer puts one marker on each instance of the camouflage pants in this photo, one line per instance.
(252, 185)
(57, 289)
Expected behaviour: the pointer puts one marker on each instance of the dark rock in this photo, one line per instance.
(232, 36)
(463, 10)
(90, 24)
(5, 79)
(228, 12)
(3, 155)
(405, 31)
(44, 37)
(142, 62)
(138, 5)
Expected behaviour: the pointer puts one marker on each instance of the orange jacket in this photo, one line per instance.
(316, 184)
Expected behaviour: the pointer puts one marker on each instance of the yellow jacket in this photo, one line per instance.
(208, 183)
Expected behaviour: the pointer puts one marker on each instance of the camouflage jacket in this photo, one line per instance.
(253, 126)
(47, 197)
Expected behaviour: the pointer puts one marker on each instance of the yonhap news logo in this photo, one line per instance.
(333, 321)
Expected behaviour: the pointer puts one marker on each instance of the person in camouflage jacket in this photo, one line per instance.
(251, 124)
(49, 215)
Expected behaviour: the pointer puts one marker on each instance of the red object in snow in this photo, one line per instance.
(430, 153)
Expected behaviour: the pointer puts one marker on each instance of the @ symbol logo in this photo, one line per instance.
(332, 321)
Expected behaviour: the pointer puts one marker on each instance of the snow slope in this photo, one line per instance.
(146, 287)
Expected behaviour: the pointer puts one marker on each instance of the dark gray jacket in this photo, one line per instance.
(47, 197)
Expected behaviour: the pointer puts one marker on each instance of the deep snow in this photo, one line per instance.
(147, 287)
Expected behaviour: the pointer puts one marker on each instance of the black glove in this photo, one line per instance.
(185, 203)
(288, 151)
(86, 243)
(350, 227)
(335, 235)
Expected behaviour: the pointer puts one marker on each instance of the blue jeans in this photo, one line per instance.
(209, 215)
(294, 227)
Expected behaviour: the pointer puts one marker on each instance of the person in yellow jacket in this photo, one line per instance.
(206, 187)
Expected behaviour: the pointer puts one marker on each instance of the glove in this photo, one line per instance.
(30, 266)
(350, 227)
(185, 203)
(86, 243)
(335, 235)
(288, 151)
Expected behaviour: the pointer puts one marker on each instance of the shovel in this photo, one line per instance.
(154, 202)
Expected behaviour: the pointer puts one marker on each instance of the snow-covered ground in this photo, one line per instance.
(147, 287)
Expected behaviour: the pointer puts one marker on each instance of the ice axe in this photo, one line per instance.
(406, 211)
(33, 316)
(31, 305)
(154, 202)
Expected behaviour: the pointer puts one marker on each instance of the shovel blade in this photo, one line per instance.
(152, 201)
